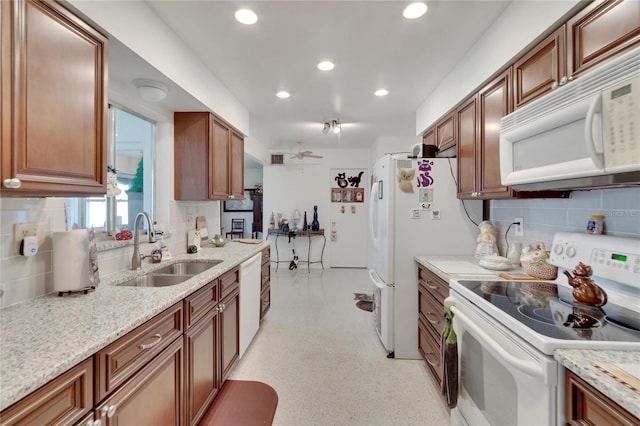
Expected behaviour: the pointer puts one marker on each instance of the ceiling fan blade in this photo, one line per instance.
(313, 156)
(305, 152)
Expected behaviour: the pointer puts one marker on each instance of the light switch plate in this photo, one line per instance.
(415, 214)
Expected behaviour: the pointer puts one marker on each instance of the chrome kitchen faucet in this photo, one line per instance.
(136, 259)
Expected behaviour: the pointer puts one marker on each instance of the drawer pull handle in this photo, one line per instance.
(434, 364)
(158, 338)
(429, 315)
(432, 287)
(108, 410)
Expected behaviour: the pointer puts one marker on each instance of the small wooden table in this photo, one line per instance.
(299, 233)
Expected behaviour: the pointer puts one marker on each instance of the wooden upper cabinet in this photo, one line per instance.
(445, 133)
(219, 159)
(494, 102)
(53, 105)
(236, 174)
(208, 158)
(600, 31)
(541, 70)
(429, 137)
(467, 125)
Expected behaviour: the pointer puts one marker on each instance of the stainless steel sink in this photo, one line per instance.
(152, 280)
(186, 268)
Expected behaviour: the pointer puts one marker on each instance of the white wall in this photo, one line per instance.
(520, 24)
(301, 185)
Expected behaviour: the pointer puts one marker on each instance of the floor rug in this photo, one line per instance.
(242, 403)
(365, 305)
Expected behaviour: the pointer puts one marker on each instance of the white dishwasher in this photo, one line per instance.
(250, 281)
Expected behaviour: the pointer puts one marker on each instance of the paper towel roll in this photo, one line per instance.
(70, 260)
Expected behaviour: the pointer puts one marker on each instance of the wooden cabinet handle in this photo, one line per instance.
(158, 338)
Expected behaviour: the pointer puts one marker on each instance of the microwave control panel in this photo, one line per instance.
(621, 126)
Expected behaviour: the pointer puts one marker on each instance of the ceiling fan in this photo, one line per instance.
(303, 154)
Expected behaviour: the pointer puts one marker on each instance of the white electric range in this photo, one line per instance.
(508, 330)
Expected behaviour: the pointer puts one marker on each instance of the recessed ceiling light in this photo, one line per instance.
(283, 94)
(246, 16)
(414, 10)
(326, 66)
(381, 92)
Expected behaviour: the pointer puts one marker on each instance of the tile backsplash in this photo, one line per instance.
(23, 278)
(544, 217)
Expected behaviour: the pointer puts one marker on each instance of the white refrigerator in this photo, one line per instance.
(413, 211)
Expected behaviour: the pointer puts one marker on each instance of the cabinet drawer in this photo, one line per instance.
(431, 312)
(265, 301)
(430, 350)
(62, 401)
(438, 287)
(229, 282)
(121, 359)
(266, 275)
(266, 255)
(199, 303)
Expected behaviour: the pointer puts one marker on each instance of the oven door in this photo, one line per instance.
(503, 380)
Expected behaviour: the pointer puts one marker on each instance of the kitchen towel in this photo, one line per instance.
(449, 358)
(71, 260)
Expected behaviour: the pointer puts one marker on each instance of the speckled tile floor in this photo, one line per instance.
(323, 357)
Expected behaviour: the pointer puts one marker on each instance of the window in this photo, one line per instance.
(130, 153)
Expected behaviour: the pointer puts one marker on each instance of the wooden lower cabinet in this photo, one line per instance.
(203, 365)
(432, 290)
(153, 396)
(64, 400)
(229, 333)
(265, 287)
(585, 405)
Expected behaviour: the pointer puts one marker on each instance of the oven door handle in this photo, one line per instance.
(530, 368)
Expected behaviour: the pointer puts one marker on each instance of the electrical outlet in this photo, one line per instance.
(189, 219)
(21, 230)
(519, 229)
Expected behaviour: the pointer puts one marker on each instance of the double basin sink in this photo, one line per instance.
(169, 275)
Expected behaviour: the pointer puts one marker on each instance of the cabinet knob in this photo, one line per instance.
(12, 183)
(554, 86)
(94, 423)
(108, 410)
(563, 81)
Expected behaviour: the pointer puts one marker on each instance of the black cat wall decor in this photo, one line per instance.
(355, 180)
(342, 181)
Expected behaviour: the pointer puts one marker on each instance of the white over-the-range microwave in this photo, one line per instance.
(585, 134)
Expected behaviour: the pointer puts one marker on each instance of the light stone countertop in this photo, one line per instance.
(580, 361)
(464, 261)
(44, 337)
(577, 360)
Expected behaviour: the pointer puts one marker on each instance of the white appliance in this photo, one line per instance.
(250, 281)
(507, 331)
(583, 134)
(413, 212)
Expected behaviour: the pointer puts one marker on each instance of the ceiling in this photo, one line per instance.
(370, 42)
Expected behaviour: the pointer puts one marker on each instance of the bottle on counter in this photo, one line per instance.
(595, 225)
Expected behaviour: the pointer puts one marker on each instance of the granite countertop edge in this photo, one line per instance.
(580, 362)
(44, 337)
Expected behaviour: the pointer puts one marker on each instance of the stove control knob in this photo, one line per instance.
(557, 249)
(571, 251)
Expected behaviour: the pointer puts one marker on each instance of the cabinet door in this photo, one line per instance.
(202, 366)
(236, 170)
(54, 101)
(153, 396)
(191, 136)
(541, 70)
(229, 332)
(445, 133)
(494, 102)
(62, 401)
(466, 148)
(429, 137)
(219, 162)
(600, 31)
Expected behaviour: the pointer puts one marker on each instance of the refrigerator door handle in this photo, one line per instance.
(373, 205)
(377, 281)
